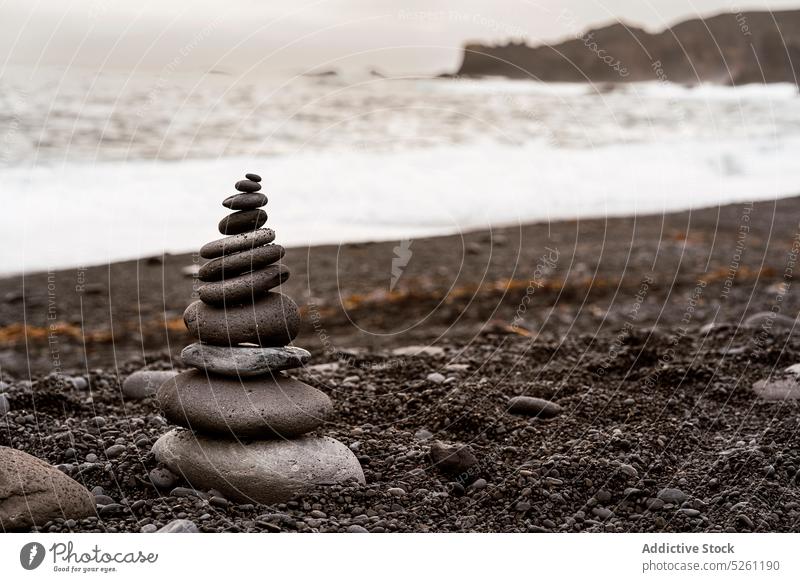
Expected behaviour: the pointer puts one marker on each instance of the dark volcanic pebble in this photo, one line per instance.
(273, 320)
(529, 406)
(253, 177)
(163, 478)
(244, 288)
(242, 221)
(237, 263)
(237, 243)
(245, 201)
(456, 461)
(671, 495)
(247, 186)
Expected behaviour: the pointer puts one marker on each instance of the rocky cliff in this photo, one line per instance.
(731, 48)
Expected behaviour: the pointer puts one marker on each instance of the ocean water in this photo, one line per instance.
(96, 168)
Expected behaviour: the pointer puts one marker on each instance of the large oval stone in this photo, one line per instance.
(244, 288)
(243, 361)
(245, 201)
(33, 492)
(259, 471)
(237, 243)
(237, 263)
(272, 320)
(242, 221)
(264, 407)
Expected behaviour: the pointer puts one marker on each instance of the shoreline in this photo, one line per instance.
(453, 286)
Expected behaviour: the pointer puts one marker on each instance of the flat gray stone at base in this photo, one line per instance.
(260, 471)
(242, 361)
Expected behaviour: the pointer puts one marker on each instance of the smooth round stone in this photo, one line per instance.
(769, 320)
(245, 201)
(781, 388)
(243, 361)
(180, 526)
(145, 383)
(247, 186)
(237, 263)
(253, 177)
(237, 243)
(244, 288)
(262, 407)
(530, 406)
(272, 320)
(258, 471)
(242, 221)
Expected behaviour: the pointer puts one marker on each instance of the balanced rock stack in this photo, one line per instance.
(245, 421)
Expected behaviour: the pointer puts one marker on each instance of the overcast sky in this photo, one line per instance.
(400, 36)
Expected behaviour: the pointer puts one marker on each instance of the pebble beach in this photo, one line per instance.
(605, 375)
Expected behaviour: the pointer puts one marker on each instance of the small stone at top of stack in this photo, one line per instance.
(249, 419)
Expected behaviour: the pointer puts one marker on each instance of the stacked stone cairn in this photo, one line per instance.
(244, 420)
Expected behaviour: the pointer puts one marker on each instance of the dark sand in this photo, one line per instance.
(610, 325)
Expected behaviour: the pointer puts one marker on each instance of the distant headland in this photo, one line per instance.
(728, 49)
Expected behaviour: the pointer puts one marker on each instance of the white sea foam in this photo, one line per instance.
(96, 168)
(85, 213)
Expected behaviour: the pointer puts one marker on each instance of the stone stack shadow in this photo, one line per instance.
(244, 420)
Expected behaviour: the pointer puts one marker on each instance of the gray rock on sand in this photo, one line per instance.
(242, 221)
(179, 526)
(247, 186)
(236, 263)
(530, 406)
(245, 201)
(769, 320)
(33, 492)
(237, 243)
(412, 351)
(243, 361)
(264, 407)
(244, 288)
(145, 383)
(781, 388)
(272, 320)
(262, 471)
